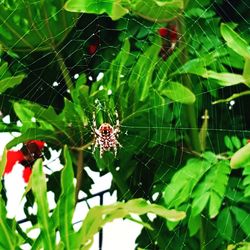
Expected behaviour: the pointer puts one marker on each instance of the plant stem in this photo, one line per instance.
(191, 113)
(234, 96)
(64, 70)
(202, 236)
(79, 174)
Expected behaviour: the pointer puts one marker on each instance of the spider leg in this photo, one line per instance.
(94, 121)
(95, 145)
(115, 150)
(117, 125)
(97, 133)
(101, 151)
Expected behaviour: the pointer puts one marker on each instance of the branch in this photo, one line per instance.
(234, 96)
(79, 174)
(64, 70)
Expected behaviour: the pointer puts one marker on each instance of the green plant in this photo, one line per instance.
(160, 86)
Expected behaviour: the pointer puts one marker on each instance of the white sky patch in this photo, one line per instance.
(19, 123)
(76, 76)
(34, 232)
(55, 84)
(101, 87)
(100, 76)
(4, 138)
(101, 182)
(151, 216)
(51, 200)
(90, 78)
(53, 163)
(16, 134)
(15, 186)
(155, 195)
(32, 210)
(6, 119)
(115, 234)
(232, 102)
(109, 92)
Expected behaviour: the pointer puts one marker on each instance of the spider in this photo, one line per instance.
(106, 137)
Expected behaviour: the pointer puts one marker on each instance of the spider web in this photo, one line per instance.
(226, 118)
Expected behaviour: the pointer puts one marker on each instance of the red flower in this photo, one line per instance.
(173, 33)
(26, 173)
(169, 40)
(31, 151)
(163, 31)
(92, 48)
(39, 144)
(13, 157)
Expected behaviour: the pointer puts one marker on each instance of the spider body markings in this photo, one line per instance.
(106, 137)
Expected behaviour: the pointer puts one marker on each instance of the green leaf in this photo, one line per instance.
(10, 82)
(82, 102)
(35, 134)
(98, 216)
(160, 114)
(246, 71)
(215, 202)
(199, 203)
(243, 219)
(3, 161)
(153, 10)
(194, 224)
(67, 202)
(198, 67)
(46, 20)
(236, 142)
(156, 11)
(241, 158)
(140, 79)
(40, 192)
(117, 67)
(213, 187)
(25, 113)
(49, 115)
(112, 7)
(73, 120)
(246, 181)
(225, 224)
(239, 246)
(12, 127)
(178, 93)
(235, 41)
(8, 239)
(4, 70)
(225, 79)
(183, 182)
(210, 156)
(228, 143)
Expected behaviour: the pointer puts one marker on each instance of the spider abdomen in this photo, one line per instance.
(106, 136)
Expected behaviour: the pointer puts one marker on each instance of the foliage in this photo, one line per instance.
(63, 61)
(160, 11)
(61, 218)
